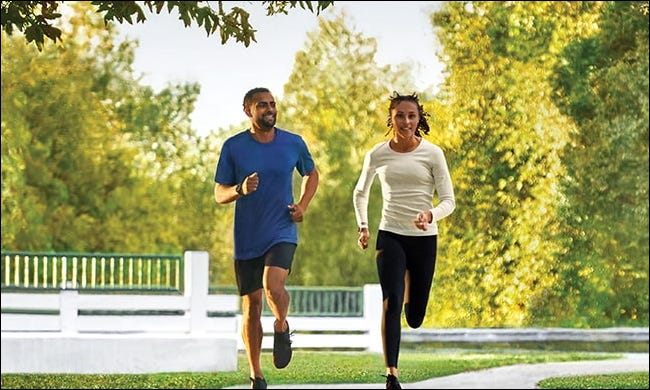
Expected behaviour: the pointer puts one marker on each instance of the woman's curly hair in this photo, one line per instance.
(396, 98)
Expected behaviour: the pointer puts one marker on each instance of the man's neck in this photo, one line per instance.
(263, 135)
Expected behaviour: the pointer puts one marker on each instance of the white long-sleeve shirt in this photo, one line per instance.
(408, 182)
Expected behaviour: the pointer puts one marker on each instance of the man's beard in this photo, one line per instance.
(268, 123)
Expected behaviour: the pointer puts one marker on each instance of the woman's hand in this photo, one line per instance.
(364, 235)
(423, 219)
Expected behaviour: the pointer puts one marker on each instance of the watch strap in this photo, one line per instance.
(239, 189)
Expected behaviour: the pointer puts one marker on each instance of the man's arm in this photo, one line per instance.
(308, 189)
(225, 194)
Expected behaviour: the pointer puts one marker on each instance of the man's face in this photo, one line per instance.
(262, 110)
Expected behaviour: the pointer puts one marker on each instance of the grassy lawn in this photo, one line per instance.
(633, 380)
(322, 367)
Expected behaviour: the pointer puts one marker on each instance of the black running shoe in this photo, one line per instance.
(282, 348)
(392, 382)
(258, 383)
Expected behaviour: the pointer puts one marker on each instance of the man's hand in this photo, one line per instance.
(296, 212)
(250, 183)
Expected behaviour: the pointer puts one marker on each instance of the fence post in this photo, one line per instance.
(68, 310)
(372, 309)
(196, 275)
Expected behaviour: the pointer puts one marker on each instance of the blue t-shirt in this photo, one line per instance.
(262, 217)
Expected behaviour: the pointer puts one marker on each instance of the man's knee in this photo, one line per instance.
(276, 293)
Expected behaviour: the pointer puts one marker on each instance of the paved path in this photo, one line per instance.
(519, 376)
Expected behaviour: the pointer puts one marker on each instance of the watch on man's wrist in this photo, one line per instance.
(239, 189)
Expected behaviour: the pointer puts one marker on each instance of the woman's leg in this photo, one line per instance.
(420, 266)
(391, 266)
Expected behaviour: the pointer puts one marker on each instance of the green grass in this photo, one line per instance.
(633, 380)
(306, 367)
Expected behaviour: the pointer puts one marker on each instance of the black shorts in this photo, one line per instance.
(249, 272)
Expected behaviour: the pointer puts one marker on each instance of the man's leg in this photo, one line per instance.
(277, 295)
(252, 332)
(277, 267)
(278, 299)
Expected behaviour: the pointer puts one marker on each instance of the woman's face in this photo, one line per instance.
(405, 117)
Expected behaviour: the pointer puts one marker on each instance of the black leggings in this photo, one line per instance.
(397, 254)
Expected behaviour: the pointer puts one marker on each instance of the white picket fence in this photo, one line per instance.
(71, 332)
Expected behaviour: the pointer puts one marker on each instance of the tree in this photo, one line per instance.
(63, 160)
(504, 245)
(93, 161)
(35, 18)
(602, 83)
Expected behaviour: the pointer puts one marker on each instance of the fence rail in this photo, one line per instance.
(98, 272)
(90, 327)
(94, 271)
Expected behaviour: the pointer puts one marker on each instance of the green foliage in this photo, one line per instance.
(31, 17)
(35, 18)
(602, 83)
(504, 171)
(91, 160)
(66, 155)
(551, 222)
